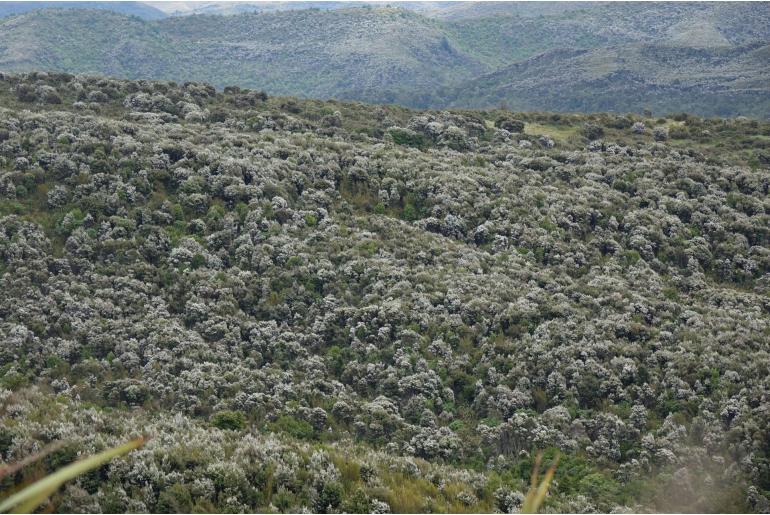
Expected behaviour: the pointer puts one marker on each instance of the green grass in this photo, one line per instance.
(560, 133)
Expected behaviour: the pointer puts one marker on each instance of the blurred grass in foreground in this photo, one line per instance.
(28, 499)
(539, 489)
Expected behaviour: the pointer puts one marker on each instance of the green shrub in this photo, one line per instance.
(13, 381)
(230, 420)
(197, 261)
(21, 191)
(621, 122)
(174, 499)
(329, 498)
(357, 503)
(678, 133)
(6, 440)
(407, 137)
(284, 498)
(177, 211)
(293, 426)
(510, 124)
(456, 425)
(592, 131)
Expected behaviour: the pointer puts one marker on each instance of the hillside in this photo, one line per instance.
(438, 9)
(342, 307)
(708, 58)
(382, 54)
(385, 55)
(140, 9)
(720, 81)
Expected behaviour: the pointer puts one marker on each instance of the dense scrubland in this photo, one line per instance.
(336, 306)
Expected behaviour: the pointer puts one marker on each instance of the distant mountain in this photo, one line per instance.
(708, 58)
(443, 10)
(84, 41)
(473, 10)
(140, 9)
(377, 54)
(712, 59)
(711, 81)
(232, 8)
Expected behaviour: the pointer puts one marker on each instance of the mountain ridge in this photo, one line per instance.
(529, 79)
(395, 55)
(140, 9)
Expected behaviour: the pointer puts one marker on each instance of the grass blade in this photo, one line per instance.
(8, 470)
(537, 492)
(529, 499)
(34, 495)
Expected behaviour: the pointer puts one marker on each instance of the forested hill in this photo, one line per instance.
(708, 58)
(341, 307)
(140, 9)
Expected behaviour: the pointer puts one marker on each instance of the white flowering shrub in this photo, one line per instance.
(307, 304)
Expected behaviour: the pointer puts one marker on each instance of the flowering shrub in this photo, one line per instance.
(310, 307)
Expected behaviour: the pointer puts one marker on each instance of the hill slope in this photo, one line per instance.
(708, 57)
(339, 307)
(84, 41)
(140, 9)
(720, 81)
(383, 54)
(437, 9)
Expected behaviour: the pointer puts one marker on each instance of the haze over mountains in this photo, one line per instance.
(141, 9)
(707, 58)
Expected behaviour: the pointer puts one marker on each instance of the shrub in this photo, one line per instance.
(592, 131)
(229, 420)
(678, 133)
(620, 122)
(175, 499)
(660, 133)
(510, 124)
(357, 503)
(26, 93)
(198, 260)
(294, 427)
(407, 137)
(329, 497)
(49, 95)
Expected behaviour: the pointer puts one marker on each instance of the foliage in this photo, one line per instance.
(29, 498)
(310, 315)
(538, 488)
(232, 420)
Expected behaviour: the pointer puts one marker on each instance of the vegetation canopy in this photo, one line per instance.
(339, 307)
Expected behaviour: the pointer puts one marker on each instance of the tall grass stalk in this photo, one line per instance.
(28, 499)
(539, 489)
